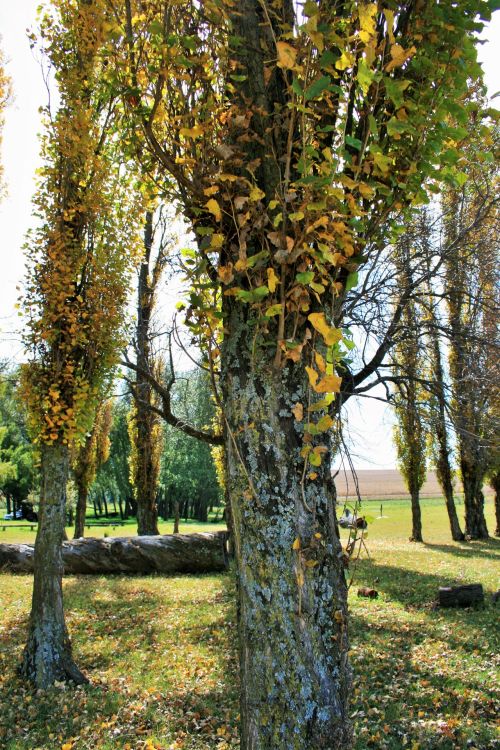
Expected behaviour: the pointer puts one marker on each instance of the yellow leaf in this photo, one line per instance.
(311, 563)
(365, 190)
(296, 544)
(286, 55)
(320, 362)
(298, 412)
(193, 132)
(330, 335)
(214, 208)
(389, 17)
(211, 190)
(399, 56)
(67, 746)
(324, 423)
(328, 384)
(241, 265)
(313, 376)
(256, 194)
(272, 280)
(346, 60)
(217, 241)
(367, 15)
(300, 578)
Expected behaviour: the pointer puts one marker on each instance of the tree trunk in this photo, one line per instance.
(81, 509)
(443, 466)
(416, 517)
(495, 486)
(295, 675)
(47, 655)
(472, 481)
(183, 553)
(176, 517)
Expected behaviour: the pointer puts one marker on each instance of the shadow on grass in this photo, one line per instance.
(490, 549)
(160, 658)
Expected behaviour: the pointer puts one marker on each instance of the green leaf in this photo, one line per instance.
(365, 76)
(352, 281)
(317, 87)
(354, 142)
(273, 310)
(305, 278)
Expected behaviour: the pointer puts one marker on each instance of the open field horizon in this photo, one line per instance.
(388, 484)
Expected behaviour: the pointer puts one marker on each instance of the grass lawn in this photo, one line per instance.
(160, 653)
(20, 531)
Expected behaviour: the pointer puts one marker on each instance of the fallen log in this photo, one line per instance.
(461, 596)
(170, 553)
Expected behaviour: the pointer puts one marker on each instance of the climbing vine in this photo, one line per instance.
(79, 255)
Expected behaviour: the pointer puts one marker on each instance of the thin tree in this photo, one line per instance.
(470, 290)
(73, 299)
(409, 431)
(293, 143)
(87, 457)
(144, 423)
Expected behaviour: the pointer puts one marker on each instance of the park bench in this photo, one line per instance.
(32, 526)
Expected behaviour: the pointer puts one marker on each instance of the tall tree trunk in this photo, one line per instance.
(438, 418)
(81, 509)
(145, 432)
(176, 516)
(47, 655)
(416, 516)
(295, 675)
(495, 484)
(472, 481)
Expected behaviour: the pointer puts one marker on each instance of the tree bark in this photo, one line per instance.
(81, 509)
(416, 517)
(495, 484)
(472, 481)
(47, 655)
(443, 466)
(145, 433)
(295, 675)
(182, 553)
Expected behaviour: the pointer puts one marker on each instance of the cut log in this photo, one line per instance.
(182, 553)
(461, 596)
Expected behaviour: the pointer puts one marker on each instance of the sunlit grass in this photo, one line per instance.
(161, 653)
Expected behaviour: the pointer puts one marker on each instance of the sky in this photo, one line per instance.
(369, 422)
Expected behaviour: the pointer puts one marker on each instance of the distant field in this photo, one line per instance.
(383, 483)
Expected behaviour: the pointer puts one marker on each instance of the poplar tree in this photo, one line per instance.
(74, 294)
(144, 422)
(473, 340)
(293, 141)
(409, 432)
(87, 457)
